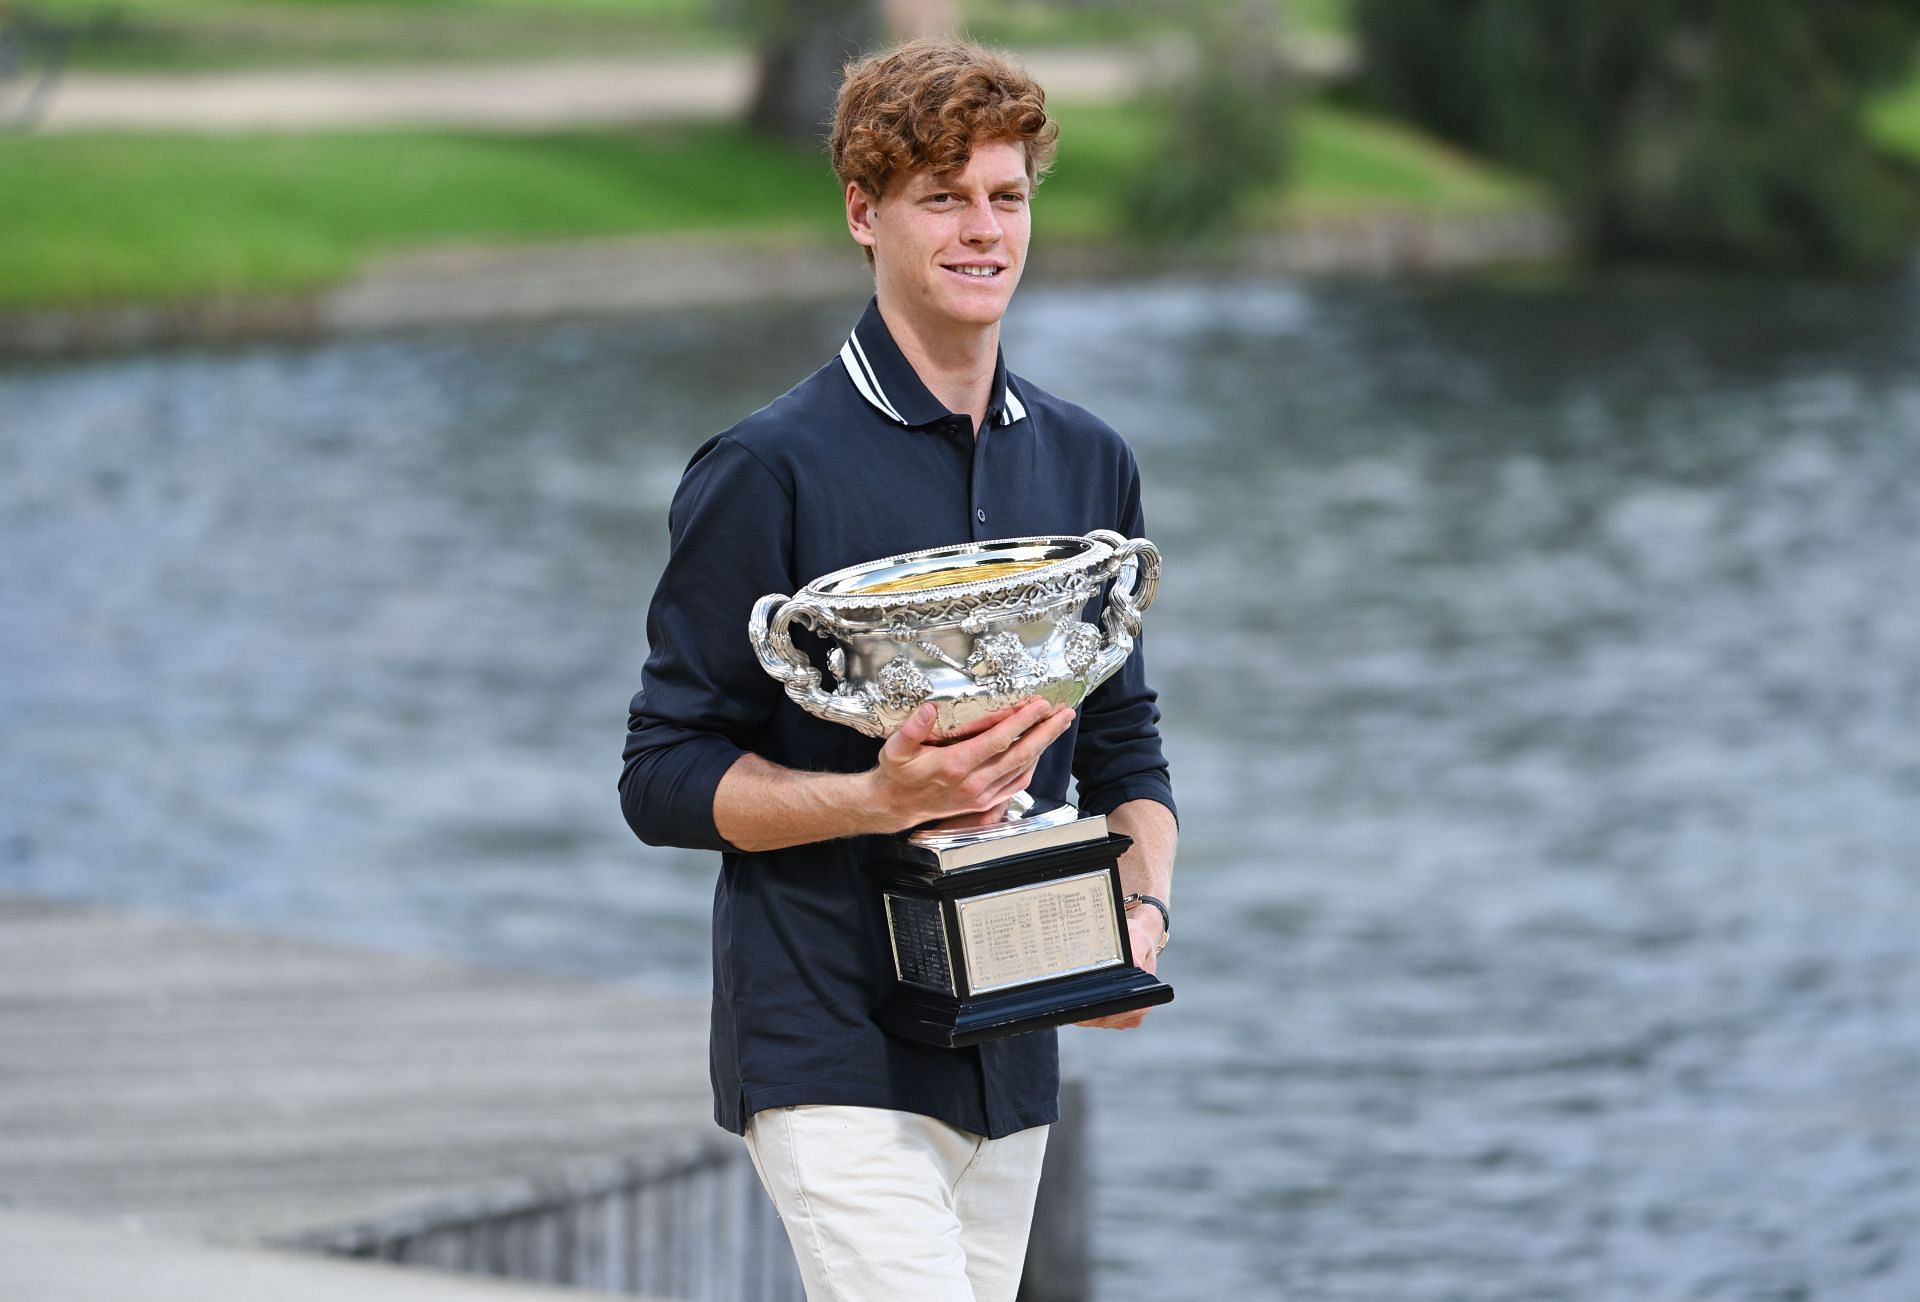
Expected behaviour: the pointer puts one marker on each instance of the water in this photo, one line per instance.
(1542, 675)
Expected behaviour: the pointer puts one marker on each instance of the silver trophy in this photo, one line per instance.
(1031, 905)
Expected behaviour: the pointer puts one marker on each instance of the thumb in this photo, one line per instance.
(915, 731)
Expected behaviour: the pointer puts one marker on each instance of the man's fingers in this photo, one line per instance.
(979, 726)
(1012, 787)
(916, 730)
(1025, 751)
(980, 771)
(999, 739)
(1117, 1021)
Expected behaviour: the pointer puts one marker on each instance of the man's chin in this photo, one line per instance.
(977, 309)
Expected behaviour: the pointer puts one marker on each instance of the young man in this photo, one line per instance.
(901, 1170)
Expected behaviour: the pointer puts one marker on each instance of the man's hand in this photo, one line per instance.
(1143, 930)
(1146, 867)
(760, 805)
(921, 778)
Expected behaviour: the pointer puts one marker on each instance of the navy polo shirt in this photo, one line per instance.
(856, 462)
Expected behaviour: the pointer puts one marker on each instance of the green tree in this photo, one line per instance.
(1225, 128)
(1728, 131)
(803, 45)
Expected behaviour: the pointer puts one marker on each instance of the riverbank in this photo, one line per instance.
(492, 283)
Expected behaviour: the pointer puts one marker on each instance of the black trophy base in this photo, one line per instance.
(934, 1001)
(934, 1018)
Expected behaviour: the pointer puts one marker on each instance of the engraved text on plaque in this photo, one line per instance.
(1032, 932)
(919, 942)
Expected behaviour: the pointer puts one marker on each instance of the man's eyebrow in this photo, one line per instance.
(951, 181)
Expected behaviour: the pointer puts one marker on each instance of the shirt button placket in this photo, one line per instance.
(979, 478)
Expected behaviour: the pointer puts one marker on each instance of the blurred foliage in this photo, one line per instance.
(218, 34)
(194, 34)
(1222, 129)
(1024, 24)
(1342, 163)
(1728, 131)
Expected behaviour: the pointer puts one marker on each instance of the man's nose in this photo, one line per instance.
(982, 224)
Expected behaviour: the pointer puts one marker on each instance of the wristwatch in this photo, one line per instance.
(1166, 918)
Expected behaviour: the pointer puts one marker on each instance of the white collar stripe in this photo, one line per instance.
(868, 391)
(854, 358)
(879, 395)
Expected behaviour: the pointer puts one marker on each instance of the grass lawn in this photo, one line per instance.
(1894, 120)
(97, 219)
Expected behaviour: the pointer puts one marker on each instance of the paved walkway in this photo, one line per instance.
(229, 1084)
(524, 96)
(64, 1259)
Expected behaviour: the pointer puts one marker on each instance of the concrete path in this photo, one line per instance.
(236, 1086)
(63, 1259)
(518, 97)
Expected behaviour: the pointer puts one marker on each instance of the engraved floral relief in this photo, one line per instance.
(902, 687)
(1082, 646)
(1001, 663)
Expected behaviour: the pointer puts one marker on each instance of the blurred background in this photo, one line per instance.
(1527, 396)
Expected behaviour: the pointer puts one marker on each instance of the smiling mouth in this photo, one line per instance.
(974, 271)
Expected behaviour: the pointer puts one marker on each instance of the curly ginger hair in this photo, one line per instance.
(922, 106)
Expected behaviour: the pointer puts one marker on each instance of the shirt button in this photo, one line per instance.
(980, 514)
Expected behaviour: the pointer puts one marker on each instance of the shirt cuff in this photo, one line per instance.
(1152, 785)
(674, 801)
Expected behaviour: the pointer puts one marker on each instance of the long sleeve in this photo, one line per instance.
(1117, 756)
(703, 696)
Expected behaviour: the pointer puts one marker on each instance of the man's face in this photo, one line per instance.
(950, 249)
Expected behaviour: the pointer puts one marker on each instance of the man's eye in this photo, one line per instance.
(942, 197)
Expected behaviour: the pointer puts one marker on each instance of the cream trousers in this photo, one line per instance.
(888, 1206)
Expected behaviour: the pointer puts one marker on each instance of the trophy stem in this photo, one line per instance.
(1024, 816)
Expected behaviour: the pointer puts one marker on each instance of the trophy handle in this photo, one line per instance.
(1125, 602)
(768, 628)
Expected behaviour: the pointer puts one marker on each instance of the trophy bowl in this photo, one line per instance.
(973, 627)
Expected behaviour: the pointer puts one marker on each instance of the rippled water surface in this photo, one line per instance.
(1543, 685)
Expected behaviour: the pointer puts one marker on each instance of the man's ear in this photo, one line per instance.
(861, 210)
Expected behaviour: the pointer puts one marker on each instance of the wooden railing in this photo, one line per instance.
(694, 1226)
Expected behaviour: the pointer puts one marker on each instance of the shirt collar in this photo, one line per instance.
(884, 377)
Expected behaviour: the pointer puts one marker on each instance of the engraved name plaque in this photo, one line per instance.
(1053, 929)
(919, 942)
